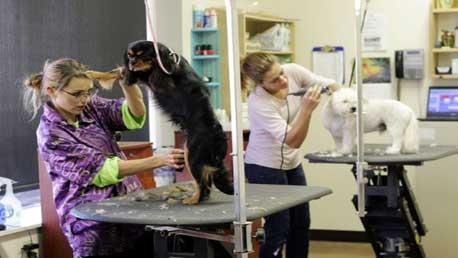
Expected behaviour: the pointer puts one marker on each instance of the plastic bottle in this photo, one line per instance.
(2, 214)
(198, 13)
(207, 19)
(12, 206)
(213, 19)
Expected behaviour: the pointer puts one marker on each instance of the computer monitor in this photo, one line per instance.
(442, 102)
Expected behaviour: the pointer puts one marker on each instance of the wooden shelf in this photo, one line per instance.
(266, 18)
(443, 10)
(271, 52)
(254, 23)
(445, 50)
(445, 76)
(441, 19)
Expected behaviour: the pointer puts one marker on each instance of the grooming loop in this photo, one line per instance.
(176, 57)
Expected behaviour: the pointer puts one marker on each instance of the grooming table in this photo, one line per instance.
(177, 219)
(393, 221)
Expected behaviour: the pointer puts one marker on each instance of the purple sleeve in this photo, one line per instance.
(109, 111)
(73, 161)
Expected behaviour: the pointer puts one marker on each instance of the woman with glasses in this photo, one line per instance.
(75, 140)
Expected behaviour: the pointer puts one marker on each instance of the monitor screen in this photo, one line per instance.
(443, 101)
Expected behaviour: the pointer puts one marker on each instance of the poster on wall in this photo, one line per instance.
(376, 73)
(374, 36)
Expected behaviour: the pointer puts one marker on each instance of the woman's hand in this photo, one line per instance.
(311, 99)
(174, 158)
(134, 97)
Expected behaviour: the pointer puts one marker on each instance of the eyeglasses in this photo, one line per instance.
(82, 94)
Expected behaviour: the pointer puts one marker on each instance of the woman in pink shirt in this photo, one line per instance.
(278, 126)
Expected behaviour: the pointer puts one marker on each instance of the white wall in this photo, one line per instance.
(171, 32)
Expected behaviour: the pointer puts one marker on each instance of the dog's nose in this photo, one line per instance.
(353, 109)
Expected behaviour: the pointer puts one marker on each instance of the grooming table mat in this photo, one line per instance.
(374, 155)
(261, 200)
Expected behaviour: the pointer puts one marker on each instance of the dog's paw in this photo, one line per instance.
(391, 150)
(191, 200)
(129, 77)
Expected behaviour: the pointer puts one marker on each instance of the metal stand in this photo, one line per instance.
(199, 246)
(242, 228)
(393, 220)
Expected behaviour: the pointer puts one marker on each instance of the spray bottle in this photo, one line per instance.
(12, 206)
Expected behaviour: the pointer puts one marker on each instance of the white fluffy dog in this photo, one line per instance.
(339, 117)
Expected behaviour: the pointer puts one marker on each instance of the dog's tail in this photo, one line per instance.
(410, 144)
(223, 182)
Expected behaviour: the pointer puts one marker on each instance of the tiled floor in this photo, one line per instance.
(322, 249)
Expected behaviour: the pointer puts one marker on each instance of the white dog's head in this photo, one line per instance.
(344, 101)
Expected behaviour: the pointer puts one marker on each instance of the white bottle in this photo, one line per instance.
(12, 205)
(198, 13)
(213, 19)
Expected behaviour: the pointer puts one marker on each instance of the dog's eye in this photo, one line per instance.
(139, 53)
(130, 53)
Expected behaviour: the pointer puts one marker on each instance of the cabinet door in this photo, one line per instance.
(179, 143)
(139, 150)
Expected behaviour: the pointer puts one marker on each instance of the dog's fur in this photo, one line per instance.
(339, 117)
(184, 97)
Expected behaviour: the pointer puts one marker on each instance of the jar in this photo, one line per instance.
(198, 50)
(451, 39)
(210, 50)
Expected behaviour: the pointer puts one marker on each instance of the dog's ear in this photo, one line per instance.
(106, 79)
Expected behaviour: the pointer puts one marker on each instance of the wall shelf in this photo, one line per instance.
(442, 19)
(201, 57)
(204, 30)
(445, 50)
(445, 76)
(213, 84)
(254, 23)
(443, 10)
(208, 65)
(271, 52)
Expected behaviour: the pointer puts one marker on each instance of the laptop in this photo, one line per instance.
(442, 103)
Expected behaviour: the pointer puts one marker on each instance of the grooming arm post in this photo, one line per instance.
(242, 228)
(360, 164)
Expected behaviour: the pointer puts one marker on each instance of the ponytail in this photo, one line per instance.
(32, 93)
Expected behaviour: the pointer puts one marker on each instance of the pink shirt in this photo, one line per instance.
(268, 117)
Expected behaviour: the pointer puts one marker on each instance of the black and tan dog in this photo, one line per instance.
(184, 97)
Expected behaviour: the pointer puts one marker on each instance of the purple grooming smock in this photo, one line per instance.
(73, 156)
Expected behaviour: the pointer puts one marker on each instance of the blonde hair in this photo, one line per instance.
(57, 74)
(254, 67)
